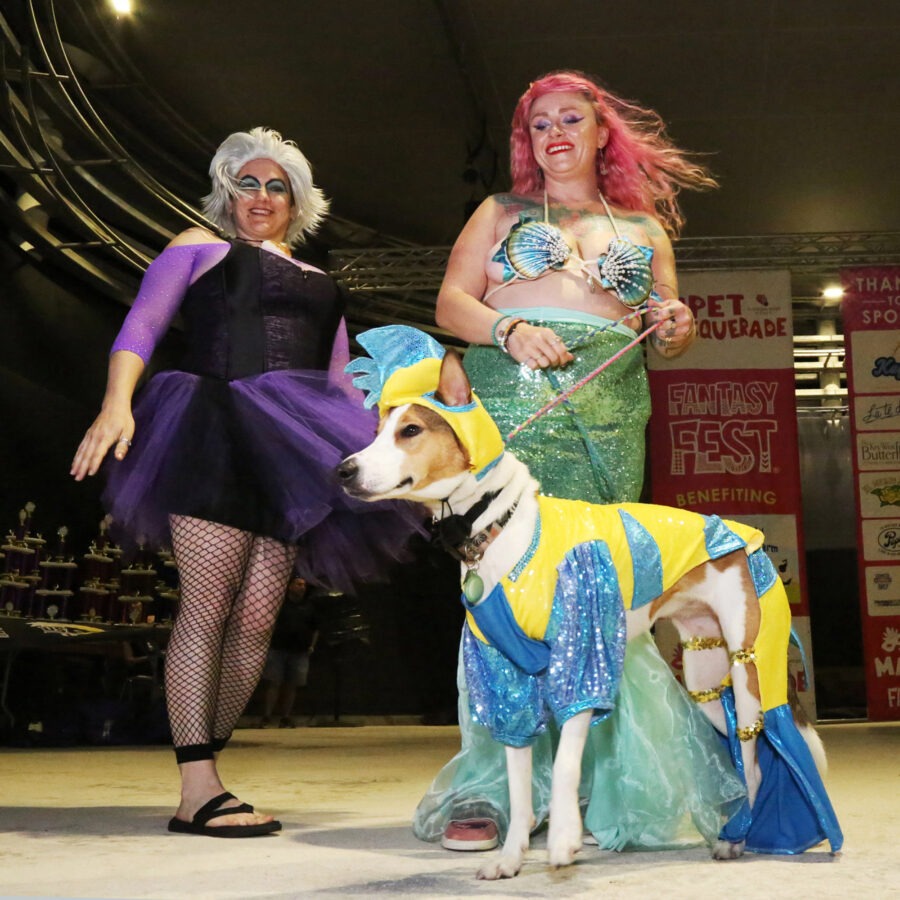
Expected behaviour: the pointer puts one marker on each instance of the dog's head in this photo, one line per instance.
(434, 432)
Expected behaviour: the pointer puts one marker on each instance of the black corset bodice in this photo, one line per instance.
(257, 312)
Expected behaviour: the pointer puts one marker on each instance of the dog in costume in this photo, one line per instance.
(553, 589)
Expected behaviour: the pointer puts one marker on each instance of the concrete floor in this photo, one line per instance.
(88, 822)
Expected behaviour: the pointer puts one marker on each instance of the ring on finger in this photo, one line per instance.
(124, 440)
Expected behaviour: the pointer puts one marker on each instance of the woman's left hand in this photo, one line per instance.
(677, 330)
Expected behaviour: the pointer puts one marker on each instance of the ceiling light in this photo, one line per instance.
(833, 292)
(123, 7)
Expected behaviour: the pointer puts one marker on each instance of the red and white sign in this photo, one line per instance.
(871, 315)
(723, 433)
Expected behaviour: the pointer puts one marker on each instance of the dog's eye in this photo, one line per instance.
(410, 431)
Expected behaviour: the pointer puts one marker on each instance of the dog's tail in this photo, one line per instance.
(807, 731)
(801, 720)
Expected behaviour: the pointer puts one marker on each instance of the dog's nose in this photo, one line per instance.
(347, 470)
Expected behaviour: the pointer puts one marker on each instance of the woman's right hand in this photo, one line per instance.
(113, 428)
(538, 347)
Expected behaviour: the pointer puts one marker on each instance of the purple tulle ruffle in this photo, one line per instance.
(258, 454)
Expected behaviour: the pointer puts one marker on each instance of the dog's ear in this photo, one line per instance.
(453, 388)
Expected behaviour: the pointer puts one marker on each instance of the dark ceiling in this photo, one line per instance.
(108, 125)
(796, 101)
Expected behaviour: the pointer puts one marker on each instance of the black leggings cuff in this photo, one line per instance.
(196, 752)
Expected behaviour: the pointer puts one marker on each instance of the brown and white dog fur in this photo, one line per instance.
(416, 456)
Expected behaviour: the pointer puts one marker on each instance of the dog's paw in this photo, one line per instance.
(727, 850)
(563, 844)
(502, 866)
(562, 855)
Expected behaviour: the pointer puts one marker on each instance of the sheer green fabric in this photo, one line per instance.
(655, 773)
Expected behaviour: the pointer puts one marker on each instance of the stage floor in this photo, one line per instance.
(89, 822)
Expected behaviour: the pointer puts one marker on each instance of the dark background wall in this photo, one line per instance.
(54, 337)
(52, 374)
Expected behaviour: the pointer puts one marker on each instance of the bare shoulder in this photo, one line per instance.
(195, 235)
(497, 214)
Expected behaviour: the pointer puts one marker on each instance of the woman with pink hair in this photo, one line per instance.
(545, 283)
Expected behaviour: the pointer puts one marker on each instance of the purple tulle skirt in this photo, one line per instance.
(257, 454)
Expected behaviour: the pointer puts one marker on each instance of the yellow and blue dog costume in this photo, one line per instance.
(550, 638)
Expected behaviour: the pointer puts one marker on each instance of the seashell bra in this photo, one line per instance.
(533, 249)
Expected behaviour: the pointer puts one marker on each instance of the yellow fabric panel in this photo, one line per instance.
(678, 535)
(476, 430)
(771, 645)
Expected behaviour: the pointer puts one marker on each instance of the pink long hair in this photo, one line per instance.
(644, 169)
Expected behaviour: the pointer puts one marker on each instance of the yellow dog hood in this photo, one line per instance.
(405, 367)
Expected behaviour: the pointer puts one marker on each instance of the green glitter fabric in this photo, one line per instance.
(609, 413)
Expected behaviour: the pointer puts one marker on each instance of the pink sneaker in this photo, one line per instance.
(470, 834)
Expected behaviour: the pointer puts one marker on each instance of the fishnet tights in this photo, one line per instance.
(232, 586)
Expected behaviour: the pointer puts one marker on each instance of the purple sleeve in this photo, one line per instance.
(160, 295)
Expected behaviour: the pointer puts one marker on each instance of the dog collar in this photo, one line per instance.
(452, 534)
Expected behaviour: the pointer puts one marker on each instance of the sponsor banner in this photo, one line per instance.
(723, 434)
(877, 451)
(725, 439)
(882, 589)
(879, 494)
(882, 647)
(881, 540)
(871, 316)
(744, 321)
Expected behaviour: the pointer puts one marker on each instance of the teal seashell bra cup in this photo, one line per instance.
(534, 248)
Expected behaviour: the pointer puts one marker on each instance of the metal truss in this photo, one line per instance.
(395, 269)
(399, 285)
(83, 140)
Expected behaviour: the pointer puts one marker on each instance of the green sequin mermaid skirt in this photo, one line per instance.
(592, 446)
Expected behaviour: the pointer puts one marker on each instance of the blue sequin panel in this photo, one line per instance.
(720, 539)
(587, 636)
(588, 654)
(506, 700)
(762, 572)
(646, 561)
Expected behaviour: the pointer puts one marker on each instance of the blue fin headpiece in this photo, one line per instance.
(405, 367)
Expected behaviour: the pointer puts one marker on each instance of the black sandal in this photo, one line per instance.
(213, 810)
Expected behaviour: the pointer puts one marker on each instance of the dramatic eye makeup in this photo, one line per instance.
(252, 183)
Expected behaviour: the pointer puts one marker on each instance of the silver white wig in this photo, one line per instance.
(309, 205)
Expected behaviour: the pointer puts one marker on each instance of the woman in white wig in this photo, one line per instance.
(229, 457)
